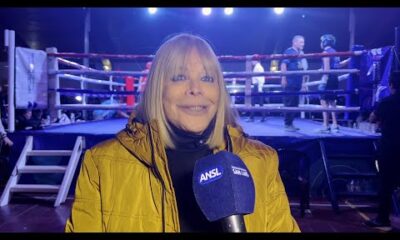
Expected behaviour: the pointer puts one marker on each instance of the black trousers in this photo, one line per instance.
(389, 171)
(291, 101)
(5, 170)
(256, 100)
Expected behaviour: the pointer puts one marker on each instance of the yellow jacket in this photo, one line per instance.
(119, 187)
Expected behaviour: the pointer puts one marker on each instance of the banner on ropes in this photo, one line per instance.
(375, 71)
(30, 78)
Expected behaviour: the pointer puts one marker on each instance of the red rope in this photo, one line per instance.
(221, 58)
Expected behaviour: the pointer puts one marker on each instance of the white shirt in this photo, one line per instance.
(2, 130)
(260, 79)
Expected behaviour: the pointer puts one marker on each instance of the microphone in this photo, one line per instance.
(224, 190)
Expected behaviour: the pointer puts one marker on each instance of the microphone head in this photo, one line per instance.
(223, 186)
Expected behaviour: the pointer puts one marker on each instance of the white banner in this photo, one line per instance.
(30, 78)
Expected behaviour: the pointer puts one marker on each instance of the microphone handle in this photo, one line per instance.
(234, 223)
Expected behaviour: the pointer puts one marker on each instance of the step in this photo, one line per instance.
(42, 169)
(35, 188)
(49, 153)
(350, 156)
(358, 194)
(355, 175)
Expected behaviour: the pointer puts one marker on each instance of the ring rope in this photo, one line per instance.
(225, 74)
(221, 58)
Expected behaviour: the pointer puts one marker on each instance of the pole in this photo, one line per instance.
(9, 40)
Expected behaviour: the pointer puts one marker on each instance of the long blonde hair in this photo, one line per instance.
(168, 59)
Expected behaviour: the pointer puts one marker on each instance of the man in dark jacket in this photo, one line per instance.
(387, 115)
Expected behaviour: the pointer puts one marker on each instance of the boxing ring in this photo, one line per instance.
(107, 84)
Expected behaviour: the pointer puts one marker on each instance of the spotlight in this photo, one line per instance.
(152, 10)
(78, 98)
(279, 11)
(206, 11)
(106, 64)
(228, 11)
(274, 66)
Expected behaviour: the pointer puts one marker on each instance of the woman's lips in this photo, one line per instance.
(194, 109)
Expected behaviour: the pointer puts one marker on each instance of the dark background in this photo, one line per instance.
(247, 31)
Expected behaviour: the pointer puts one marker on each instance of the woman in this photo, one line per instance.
(140, 181)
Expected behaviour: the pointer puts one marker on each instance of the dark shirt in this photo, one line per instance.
(181, 160)
(334, 62)
(27, 124)
(293, 64)
(3, 103)
(388, 115)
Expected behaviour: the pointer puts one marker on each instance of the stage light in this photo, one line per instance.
(206, 11)
(78, 98)
(279, 11)
(274, 66)
(106, 64)
(107, 68)
(152, 10)
(228, 11)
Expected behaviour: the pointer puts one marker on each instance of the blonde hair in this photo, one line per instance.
(167, 61)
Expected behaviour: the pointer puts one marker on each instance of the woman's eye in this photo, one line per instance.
(179, 77)
(207, 79)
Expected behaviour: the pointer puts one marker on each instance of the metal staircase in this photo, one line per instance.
(22, 168)
(334, 193)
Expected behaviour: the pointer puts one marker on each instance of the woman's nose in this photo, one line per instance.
(194, 87)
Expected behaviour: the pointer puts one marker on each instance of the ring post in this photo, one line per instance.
(54, 84)
(9, 41)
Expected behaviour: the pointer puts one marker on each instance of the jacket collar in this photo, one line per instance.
(135, 137)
